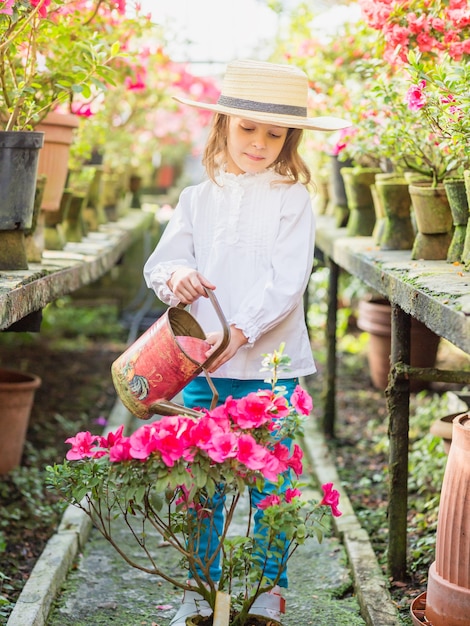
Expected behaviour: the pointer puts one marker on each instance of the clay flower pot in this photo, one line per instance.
(443, 428)
(448, 591)
(16, 400)
(58, 131)
(375, 318)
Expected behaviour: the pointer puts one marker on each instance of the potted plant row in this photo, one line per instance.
(39, 79)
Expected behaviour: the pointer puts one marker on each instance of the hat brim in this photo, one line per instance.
(325, 123)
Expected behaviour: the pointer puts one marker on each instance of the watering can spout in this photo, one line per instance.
(163, 360)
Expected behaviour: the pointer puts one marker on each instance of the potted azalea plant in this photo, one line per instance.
(160, 478)
(415, 38)
(430, 30)
(440, 96)
(48, 54)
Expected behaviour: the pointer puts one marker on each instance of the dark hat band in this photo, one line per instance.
(262, 107)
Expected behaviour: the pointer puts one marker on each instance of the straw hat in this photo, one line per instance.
(267, 93)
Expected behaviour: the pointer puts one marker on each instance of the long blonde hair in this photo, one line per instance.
(289, 163)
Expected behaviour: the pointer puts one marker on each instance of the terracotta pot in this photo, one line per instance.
(375, 318)
(357, 183)
(448, 591)
(433, 220)
(458, 202)
(53, 161)
(16, 400)
(417, 610)
(443, 428)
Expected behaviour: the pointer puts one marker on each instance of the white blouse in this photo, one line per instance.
(254, 240)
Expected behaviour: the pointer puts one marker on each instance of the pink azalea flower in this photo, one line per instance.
(6, 7)
(172, 438)
(331, 498)
(204, 430)
(82, 446)
(137, 82)
(281, 452)
(224, 446)
(121, 451)
(291, 494)
(295, 460)
(415, 98)
(301, 401)
(43, 9)
(271, 500)
(142, 442)
(280, 406)
(272, 467)
(252, 411)
(221, 414)
(251, 453)
(111, 438)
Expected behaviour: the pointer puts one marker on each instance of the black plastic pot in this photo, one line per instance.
(19, 154)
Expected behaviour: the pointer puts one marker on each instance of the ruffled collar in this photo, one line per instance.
(246, 180)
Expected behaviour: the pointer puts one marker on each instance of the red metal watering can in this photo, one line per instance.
(168, 356)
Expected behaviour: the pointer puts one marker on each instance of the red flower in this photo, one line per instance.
(331, 498)
(301, 401)
(43, 8)
(82, 446)
(250, 453)
(291, 494)
(415, 98)
(271, 500)
(295, 461)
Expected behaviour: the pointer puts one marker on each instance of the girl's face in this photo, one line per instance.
(251, 146)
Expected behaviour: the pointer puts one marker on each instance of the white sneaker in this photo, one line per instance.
(270, 604)
(193, 604)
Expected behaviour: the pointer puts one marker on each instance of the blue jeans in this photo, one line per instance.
(199, 394)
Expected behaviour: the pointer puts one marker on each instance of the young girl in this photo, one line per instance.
(248, 233)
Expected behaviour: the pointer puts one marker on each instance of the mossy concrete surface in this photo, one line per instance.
(81, 580)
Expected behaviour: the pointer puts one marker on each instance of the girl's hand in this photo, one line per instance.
(188, 285)
(237, 340)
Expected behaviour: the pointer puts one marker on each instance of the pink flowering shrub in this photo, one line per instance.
(161, 477)
(440, 96)
(54, 51)
(432, 27)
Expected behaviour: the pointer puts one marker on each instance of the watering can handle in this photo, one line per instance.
(166, 407)
(225, 327)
